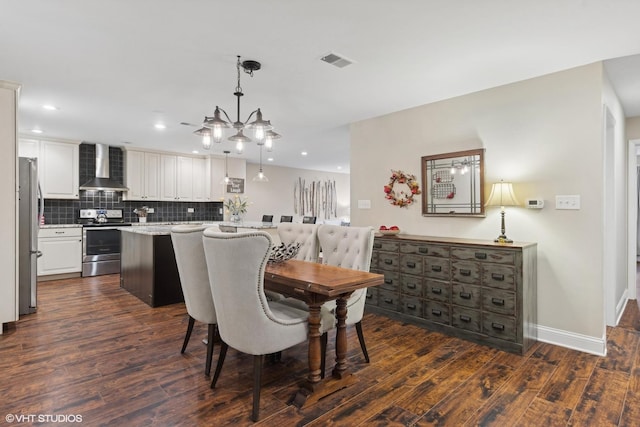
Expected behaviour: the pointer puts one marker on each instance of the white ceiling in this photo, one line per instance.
(115, 68)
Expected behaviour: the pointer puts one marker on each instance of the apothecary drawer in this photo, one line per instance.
(388, 261)
(437, 290)
(437, 312)
(498, 301)
(411, 264)
(391, 281)
(372, 296)
(466, 295)
(411, 285)
(436, 268)
(465, 272)
(424, 249)
(502, 327)
(385, 245)
(388, 300)
(467, 319)
(411, 305)
(483, 255)
(499, 276)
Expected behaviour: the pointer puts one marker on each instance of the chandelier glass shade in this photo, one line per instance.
(260, 177)
(213, 126)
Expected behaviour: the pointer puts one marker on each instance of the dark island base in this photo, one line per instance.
(148, 269)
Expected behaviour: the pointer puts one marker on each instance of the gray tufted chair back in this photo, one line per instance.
(347, 247)
(305, 234)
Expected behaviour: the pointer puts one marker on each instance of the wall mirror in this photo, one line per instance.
(453, 184)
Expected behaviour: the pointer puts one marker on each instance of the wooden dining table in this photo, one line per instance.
(315, 284)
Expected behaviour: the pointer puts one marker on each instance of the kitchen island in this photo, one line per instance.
(148, 266)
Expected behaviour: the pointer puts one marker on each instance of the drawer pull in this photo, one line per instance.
(497, 301)
(436, 291)
(465, 319)
(436, 268)
(481, 255)
(388, 261)
(496, 276)
(388, 300)
(465, 272)
(411, 306)
(465, 295)
(369, 296)
(423, 250)
(377, 245)
(411, 264)
(497, 326)
(412, 286)
(388, 281)
(436, 312)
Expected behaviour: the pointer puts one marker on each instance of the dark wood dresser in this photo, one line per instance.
(473, 289)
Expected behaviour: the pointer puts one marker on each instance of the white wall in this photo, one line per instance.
(633, 127)
(544, 135)
(276, 196)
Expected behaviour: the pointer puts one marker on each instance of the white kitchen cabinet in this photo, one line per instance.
(9, 93)
(201, 180)
(61, 250)
(168, 168)
(184, 178)
(143, 175)
(217, 187)
(29, 148)
(58, 169)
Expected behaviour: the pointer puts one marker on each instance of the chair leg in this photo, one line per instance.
(223, 352)
(363, 346)
(213, 330)
(186, 337)
(323, 353)
(257, 384)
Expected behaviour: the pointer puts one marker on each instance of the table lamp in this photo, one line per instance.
(502, 195)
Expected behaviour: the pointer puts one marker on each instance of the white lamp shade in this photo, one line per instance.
(502, 195)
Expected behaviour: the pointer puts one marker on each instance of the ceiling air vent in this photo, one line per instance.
(336, 60)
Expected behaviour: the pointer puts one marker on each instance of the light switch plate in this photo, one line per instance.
(190, 210)
(364, 204)
(150, 210)
(568, 202)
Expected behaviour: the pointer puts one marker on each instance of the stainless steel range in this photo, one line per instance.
(100, 240)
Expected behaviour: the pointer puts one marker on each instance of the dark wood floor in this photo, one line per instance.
(94, 350)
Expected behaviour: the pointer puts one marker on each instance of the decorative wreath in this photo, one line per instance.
(403, 198)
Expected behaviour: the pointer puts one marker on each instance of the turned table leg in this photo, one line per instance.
(341, 338)
(314, 344)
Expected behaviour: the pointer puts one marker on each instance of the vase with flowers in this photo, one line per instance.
(142, 213)
(236, 207)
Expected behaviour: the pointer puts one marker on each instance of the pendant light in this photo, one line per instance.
(226, 167)
(212, 130)
(261, 177)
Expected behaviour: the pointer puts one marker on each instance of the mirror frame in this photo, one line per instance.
(427, 173)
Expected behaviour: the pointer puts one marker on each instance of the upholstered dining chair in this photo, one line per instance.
(286, 218)
(194, 279)
(347, 247)
(308, 219)
(305, 234)
(267, 218)
(247, 321)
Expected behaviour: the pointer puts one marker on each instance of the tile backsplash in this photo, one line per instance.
(61, 211)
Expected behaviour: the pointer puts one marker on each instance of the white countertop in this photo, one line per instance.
(61, 226)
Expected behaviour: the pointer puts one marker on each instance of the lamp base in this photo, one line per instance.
(502, 239)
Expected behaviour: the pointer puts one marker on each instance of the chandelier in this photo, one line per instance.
(212, 129)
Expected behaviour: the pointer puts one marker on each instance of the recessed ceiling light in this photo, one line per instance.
(36, 131)
(339, 167)
(304, 153)
(195, 152)
(270, 159)
(50, 107)
(160, 126)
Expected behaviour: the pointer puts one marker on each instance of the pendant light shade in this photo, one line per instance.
(260, 177)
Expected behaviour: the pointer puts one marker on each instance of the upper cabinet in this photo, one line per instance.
(143, 175)
(156, 176)
(58, 170)
(58, 166)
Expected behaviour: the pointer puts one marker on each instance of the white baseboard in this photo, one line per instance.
(587, 344)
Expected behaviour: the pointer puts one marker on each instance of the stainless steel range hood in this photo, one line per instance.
(102, 182)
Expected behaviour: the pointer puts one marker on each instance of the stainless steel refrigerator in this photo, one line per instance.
(30, 208)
